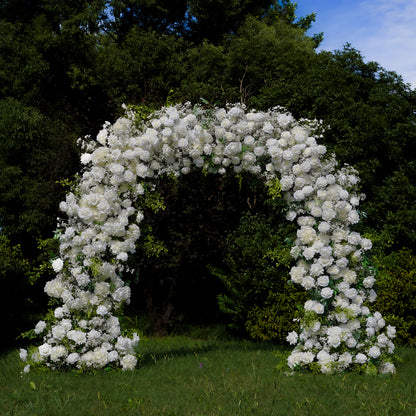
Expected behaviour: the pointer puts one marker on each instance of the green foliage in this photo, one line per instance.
(274, 322)
(41, 268)
(143, 70)
(257, 298)
(274, 189)
(151, 200)
(396, 289)
(32, 159)
(151, 246)
(141, 113)
(12, 260)
(14, 269)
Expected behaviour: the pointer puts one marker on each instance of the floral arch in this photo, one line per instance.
(337, 332)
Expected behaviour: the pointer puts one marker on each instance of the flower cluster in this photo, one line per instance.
(103, 225)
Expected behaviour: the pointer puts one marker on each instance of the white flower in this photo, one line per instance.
(351, 342)
(122, 294)
(100, 357)
(299, 195)
(328, 214)
(286, 182)
(102, 310)
(360, 358)
(327, 293)
(183, 142)
(57, 265)
(309, 253)
(307, 235)
(382, 340)
(232, 149)
(259, 151)
(128, 362)
(334, 336)
(78, 337)
(366, 244)
(45, 350)
(59, 313)
(374, 352)
(297, 273)
(85, 214)
(372, 296)
(323, 281)
(268, 128)
(368, 282)
(113, 356)
(308, 282)
(318, 308)
(351, 293)
(40, 326)
(72, 358)
(353, 217)
(58, 332)
(57, 352)
(292, 338)
(23, 354)
(85, 158)
(345, 358)
(291, 215)
(387, 368)
(391, 331)
(316, 269)
(324, 227)
(102, 289)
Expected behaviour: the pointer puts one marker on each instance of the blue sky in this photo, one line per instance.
(382, 30)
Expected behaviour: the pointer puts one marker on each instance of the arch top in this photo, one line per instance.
(337, 333)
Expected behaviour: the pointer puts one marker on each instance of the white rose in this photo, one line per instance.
(40, 326)
(57, 265)
(323, 281)
(308, 282)
(327, 293)
(72, 358)
(318, 308)
(374, 352)
(268, 128)
(128, 362)
(292, 338)
(85, 158)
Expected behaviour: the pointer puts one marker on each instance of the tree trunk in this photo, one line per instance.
(160, 314)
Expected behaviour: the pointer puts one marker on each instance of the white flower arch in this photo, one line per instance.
(338, 331)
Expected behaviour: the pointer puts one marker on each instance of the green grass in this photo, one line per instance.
(189, 376)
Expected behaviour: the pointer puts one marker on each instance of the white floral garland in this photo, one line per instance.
(337, 332)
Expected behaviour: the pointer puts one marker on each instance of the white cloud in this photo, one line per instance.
(392, 39)
(382, 30)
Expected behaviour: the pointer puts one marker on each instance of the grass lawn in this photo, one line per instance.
(181, 375)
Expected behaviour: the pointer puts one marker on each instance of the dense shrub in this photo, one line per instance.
(14, 269)
(397, 293)
(257, 298)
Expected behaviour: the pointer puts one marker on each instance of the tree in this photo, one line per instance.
(164, 17)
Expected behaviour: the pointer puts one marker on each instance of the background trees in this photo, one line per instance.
(67, 66)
